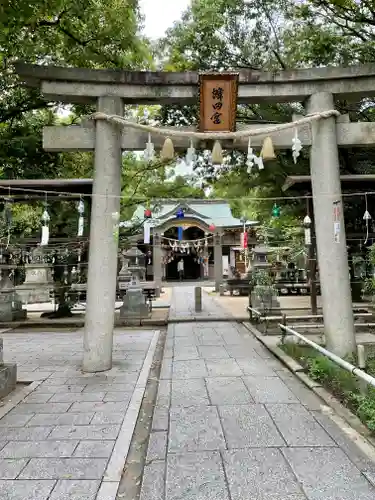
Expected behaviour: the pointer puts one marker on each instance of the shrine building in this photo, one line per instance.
(202, 232)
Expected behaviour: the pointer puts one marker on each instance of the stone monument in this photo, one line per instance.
(38, 281)
(10, 302)
(134, 301)
(8, 375)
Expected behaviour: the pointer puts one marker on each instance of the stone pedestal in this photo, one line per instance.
(265, 302)
(134, 304)
(10, 302)
(8, 375)
(38, 284)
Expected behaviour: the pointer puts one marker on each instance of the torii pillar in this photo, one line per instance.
(102, 266)
(330, 229)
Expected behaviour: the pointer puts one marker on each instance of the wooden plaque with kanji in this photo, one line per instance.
(218, 102)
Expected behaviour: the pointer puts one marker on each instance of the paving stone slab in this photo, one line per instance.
(73, 397)
(189, 393)
(157, 446)
(54, 389)
(228, 391)
(306, 396)
(242, 351)
(182, 341)
(370, 476)
(10, 468)
(196, 476)
(125, 387)
(63, 419)
(362, 461)
(164, 393)
(260, 474)
(160, 418)
(189, 369)
(64, 468)
(255, 367)
(269, 390)
(195, 428)
(26, 490)
(249, 427)
(231, 337)
(43, 407)
(104, 407)
(75, 490)
(166, 369)
(153, 486)
(213, 352)
(184, 353)
(24, 433)
(107, 418)
(297, 426)
(94, 449)
(118, 396)
(223, 368)
(91, 432)
(38, 449)
(328, 474)
(15, 420)
(38, 398)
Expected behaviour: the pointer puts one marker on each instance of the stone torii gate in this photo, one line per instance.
(109, 90)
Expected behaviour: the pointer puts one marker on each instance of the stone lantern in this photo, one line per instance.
(134, 301)
(264, 294)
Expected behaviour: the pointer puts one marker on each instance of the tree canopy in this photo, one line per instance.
(211, 35)
(272, 36)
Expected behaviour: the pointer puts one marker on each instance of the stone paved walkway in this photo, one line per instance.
(232, 423)
(182, 305)
(68, 434)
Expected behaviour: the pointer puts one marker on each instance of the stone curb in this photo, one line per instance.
(112, 477)
(76, 324)
(207, 319)
(334, 404)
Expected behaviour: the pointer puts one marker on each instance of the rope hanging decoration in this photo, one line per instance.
(366, 217)
(45, 224)
(267, 153)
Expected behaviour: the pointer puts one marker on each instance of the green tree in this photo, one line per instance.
(90, 33)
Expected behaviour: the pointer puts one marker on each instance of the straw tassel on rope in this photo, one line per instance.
(167, 153)
(217, 154)
(268, 152)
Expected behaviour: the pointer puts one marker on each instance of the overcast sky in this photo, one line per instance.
(161, 14)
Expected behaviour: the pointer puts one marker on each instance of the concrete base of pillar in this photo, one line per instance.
(8, 379)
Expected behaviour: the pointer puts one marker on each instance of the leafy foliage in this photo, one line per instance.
(263, 35)
(339, 382)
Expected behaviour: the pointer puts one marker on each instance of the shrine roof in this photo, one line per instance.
(28, 189)
(365, 182)
(216, 212)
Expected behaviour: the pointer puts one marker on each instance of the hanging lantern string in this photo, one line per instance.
(367, 218)
(168, 132)
(138, 200)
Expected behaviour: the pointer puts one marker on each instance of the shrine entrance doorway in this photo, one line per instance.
(188, 250)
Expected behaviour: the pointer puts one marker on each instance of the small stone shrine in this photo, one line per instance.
(134, 301)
